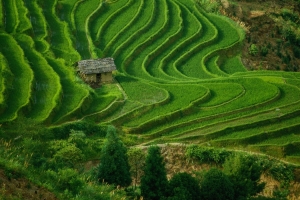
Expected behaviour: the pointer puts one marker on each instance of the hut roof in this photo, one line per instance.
(96, 66)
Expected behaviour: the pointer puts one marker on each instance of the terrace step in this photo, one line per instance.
(231, 65)
(272, 132)
(46, 89)
(153, 62)
(59, 34)
(286, 110)
(6, 78)
(84, 11)
(66, 11)
(2, 25)
(39, 26)
(74, 93)
(11, 17)
(18, 95)
(104, 29)
(137, 10)
(175, 108)
(155, 35)
(237, 106)
(141, 33)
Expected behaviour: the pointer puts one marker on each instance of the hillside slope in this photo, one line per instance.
(179, 67)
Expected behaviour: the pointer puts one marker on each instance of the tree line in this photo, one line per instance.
(237, 179)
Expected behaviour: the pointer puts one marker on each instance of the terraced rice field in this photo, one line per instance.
(180, 77)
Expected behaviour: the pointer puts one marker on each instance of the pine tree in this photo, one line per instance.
(154, 182)
(114, 167)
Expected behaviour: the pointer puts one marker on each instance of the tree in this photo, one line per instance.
(136, 158)
(154, 182)
(216, 186)
(183, 186)
(114, 167)
(244, 172)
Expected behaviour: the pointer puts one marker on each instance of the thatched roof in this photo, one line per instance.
(96, 66)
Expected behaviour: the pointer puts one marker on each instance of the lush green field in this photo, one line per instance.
(180, 77)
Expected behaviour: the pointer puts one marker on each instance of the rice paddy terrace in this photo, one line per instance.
(180, 76)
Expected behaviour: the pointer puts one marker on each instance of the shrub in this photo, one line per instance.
(66, 180)
(207, 155)
(183, 186)
(253, 50)
(244, 172)
(65, 154)
(216, 186)
(264, 51)
(63, 132)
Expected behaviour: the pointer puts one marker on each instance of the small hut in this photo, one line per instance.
(97, 71)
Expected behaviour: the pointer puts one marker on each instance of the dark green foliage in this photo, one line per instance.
(207, 155)
(68, 180)
(154, 182)
(296, 51)
(216, 186)
(136, 158)
(62, 132)
(114, 167)
(66, 154)
(183, 186)
(244, 172)
(264, 50)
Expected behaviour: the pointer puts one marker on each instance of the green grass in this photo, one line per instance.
(132, 43)
(46, 86)
(143, 44)
(212, 65)
(24, 24)
(153, 60)
(233, 65)
(11, 16)
(102, 99)
(178, 100)
(66, 11)
(23, 77)
(223, 93)
(59, 35)
(111, 25)
(83, 12)
(140, 92)
(73, 93)
(39, 25)
(282, 140)
(138, 10)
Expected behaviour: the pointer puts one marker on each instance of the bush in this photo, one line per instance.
(63, 132)
(207, 155)
(264, 51)
(183, 186)
(253, 50)
(66, 180)
(64, 154)
(244, 172)
(216, 186)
